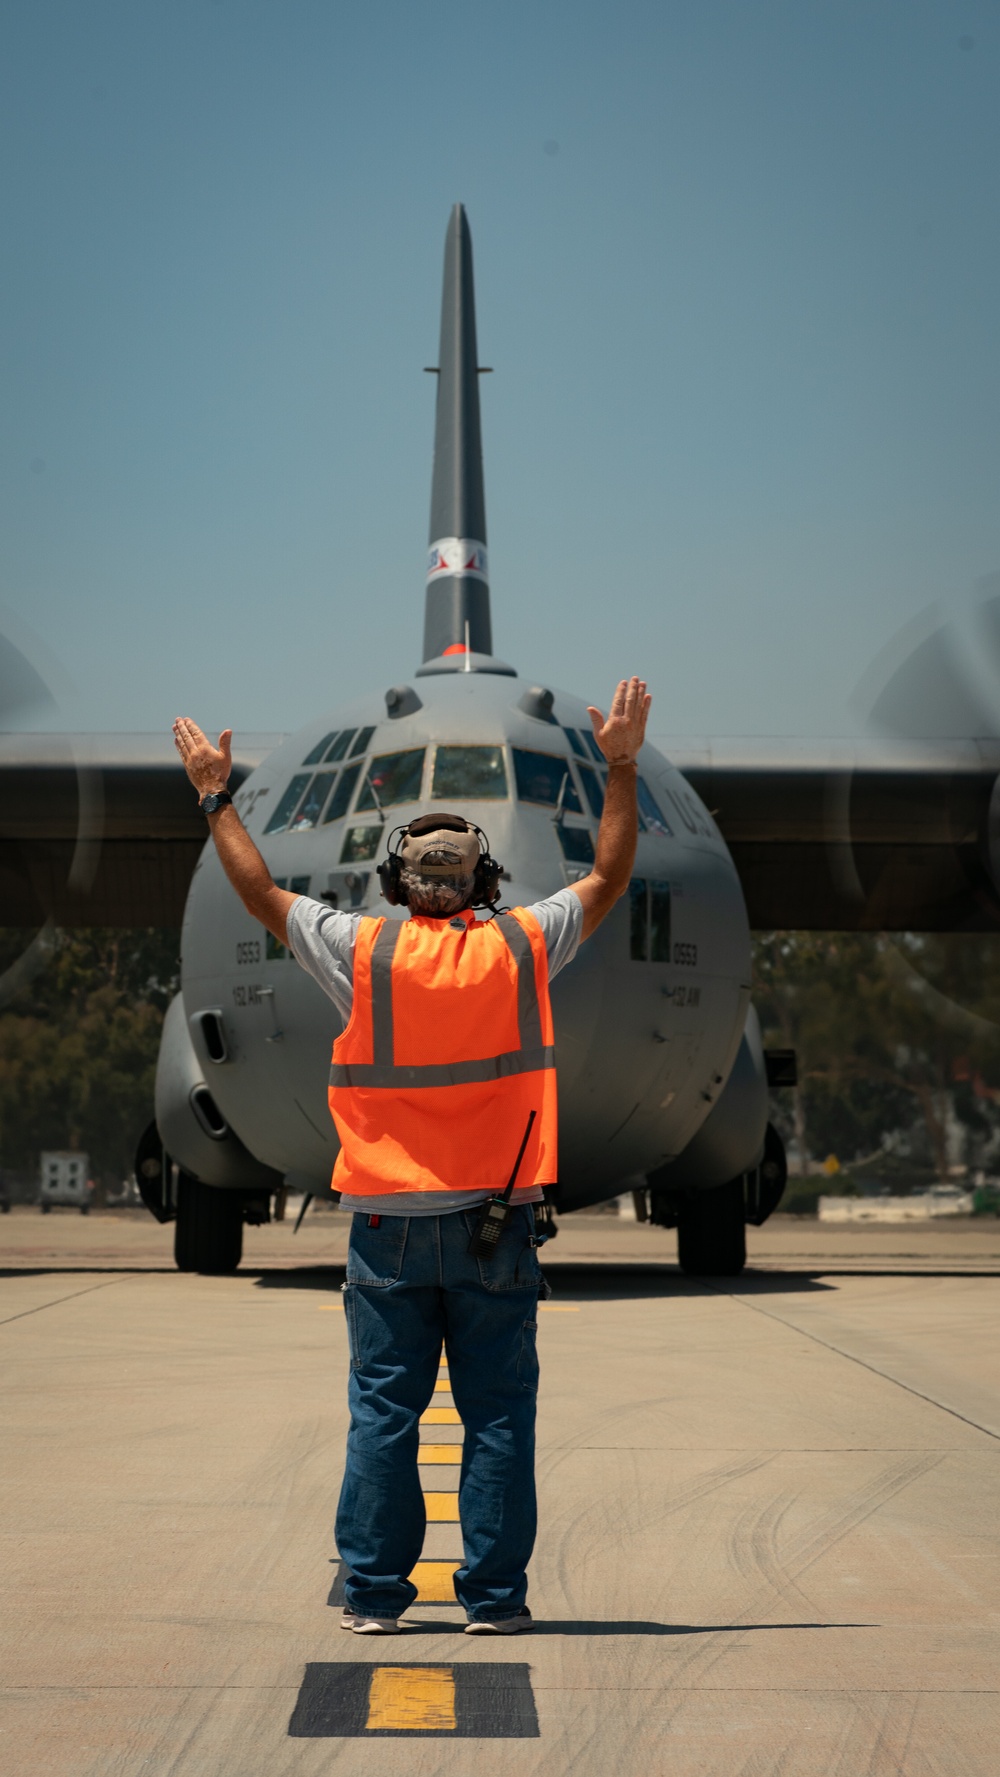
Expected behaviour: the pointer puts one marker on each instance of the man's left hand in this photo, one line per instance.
(208, 767)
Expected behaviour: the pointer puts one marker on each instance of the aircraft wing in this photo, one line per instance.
(826, 835)
(100, 829)
(873, 835)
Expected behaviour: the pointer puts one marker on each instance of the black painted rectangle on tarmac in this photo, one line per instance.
(345, 1700)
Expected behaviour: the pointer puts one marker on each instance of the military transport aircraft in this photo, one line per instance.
(663, 1080)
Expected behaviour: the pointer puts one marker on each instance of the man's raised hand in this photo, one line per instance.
(208, 767)
(622, 734)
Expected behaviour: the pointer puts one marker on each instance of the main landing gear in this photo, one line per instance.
(711, 1232)
(208, 1234)
(208, 1220)
(711, 1224)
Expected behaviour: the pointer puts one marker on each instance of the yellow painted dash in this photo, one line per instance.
(442, 1508)
(434, 1582)
(442, 1385)
(411, 1699)
(451, 1453)
(440, 1416)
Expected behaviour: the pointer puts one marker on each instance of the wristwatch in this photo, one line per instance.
(215, 799)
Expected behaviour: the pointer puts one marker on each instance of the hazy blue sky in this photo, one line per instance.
(736, 269)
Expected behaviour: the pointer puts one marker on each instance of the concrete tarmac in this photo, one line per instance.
(768, 1535)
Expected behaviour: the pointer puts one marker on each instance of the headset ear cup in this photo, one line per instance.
(487, 881)
(388, 875)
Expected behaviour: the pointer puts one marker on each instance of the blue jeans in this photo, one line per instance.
(411, 1287)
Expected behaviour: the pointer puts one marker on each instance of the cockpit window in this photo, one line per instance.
(394, 777)
(577, 844)
(362, 741)
(659, 922)
(649, 811)
(593, 789)
(311, 807)
(339, 746)
(319, 749)
(575, 742)
(288, 804)
(340, 800)
(475, 772)
(592, 746)
(360, 843)
(540, 778)
(650, 921)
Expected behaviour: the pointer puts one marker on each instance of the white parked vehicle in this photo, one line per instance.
(64, 1181)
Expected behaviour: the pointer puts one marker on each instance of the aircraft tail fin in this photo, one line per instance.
(457, 610)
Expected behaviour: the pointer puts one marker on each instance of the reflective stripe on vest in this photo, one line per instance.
(383, 1071)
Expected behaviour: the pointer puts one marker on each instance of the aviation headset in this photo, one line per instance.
(485, 882)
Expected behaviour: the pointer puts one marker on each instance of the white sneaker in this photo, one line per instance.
(369, 1625)
(502, 1625)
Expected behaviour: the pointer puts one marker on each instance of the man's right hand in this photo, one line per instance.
(621, 736)
(208, 767)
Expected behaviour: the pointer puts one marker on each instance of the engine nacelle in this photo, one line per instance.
(191, 1125)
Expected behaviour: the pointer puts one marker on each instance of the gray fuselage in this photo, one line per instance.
(648, 1016)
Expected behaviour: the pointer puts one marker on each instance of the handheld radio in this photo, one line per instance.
(493, 1215)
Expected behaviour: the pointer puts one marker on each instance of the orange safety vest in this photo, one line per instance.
(448, 1047)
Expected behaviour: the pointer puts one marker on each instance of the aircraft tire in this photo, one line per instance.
(208, 1235)
(711, 1232)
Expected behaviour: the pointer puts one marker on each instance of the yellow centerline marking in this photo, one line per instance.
(442, 1385)
(433, 1580)
(410, 1698)
(440, 1416)
(442, 1508)
(450, 1453)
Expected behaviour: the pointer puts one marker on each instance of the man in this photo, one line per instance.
(442, 1086)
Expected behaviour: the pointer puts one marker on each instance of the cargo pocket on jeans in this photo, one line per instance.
(527, 1362)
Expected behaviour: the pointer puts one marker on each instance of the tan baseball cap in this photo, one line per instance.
(440, 845)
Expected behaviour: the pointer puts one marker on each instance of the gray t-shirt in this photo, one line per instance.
(322, 940)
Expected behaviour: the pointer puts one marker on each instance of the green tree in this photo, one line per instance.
(78, 1045)
(884, 1033)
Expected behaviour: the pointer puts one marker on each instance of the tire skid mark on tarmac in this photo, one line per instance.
(876, 1738)
(753, 1546)
(637, 1516)
(811, 1545)
(806, 1549)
